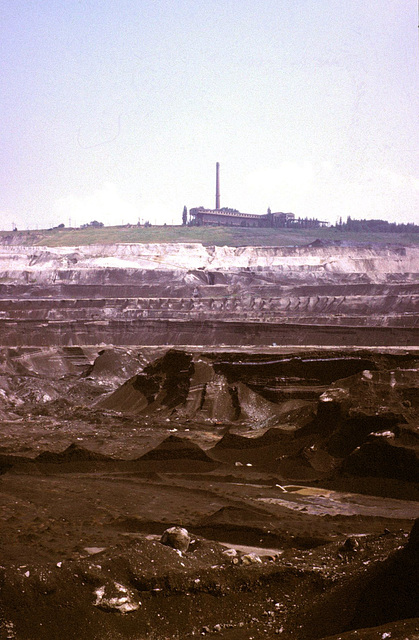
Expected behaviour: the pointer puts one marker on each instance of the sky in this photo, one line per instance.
(119, 111)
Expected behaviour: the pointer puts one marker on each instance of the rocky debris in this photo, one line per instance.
(27, 390)
(230, 553)
(115, 597)
(350, 546)
(177, 538)
(251, 558)
(164, 594)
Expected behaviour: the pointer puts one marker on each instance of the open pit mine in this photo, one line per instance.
(209, 442)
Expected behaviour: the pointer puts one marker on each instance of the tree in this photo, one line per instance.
(184, 216)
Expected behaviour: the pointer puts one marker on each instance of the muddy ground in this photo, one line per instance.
(295, 472)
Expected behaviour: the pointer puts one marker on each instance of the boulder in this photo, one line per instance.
(177, 538)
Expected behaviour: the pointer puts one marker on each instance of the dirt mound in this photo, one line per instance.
(242, 526)
(73, 453)
(164, 384)
(191, 387)
(234, 441)
(373, 393)
(73, 459)
(276, 438)
(380, 457)
(177, 454)
(384, 596)
(307, 465)
(255, 408)
(365, 426)
(114, 365)
(242, 516)
(131, 397)
(262, 451)
(7, 462)
(392, 591)
(173, 448)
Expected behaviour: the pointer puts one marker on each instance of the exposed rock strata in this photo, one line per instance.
(190, 294)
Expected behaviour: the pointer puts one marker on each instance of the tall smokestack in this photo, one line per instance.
(217, 185)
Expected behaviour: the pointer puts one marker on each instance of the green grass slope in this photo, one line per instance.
(219, 236)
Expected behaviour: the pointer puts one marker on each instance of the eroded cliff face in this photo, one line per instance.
(308, 416)
(191, 294)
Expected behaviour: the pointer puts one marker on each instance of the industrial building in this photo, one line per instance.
(233, 218)
(201, 216)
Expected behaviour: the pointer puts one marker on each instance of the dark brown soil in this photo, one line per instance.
(315, 490)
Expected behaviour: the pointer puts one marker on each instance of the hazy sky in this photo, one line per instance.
(118, 111)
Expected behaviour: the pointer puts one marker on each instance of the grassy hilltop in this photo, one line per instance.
(220, 236)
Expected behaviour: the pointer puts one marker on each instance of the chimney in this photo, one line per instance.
(217, 185)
